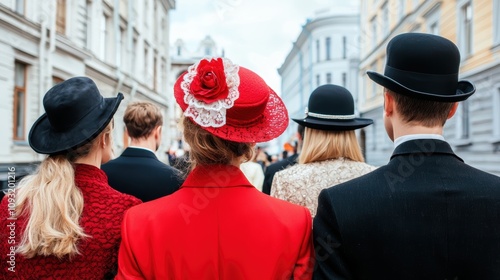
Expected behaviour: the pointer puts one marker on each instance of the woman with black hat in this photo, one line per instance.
(63, 222)
(330, 152)
(217, 225)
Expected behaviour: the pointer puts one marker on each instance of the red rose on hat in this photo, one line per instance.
(209, 84)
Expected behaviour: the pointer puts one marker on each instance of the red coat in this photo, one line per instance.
(101, 218)
(217, 226)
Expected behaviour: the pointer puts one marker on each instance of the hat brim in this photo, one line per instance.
(273, 123)
(44, 139)
(464, 89)
(333, 125)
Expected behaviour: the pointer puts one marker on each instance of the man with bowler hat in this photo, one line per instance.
(426, 214)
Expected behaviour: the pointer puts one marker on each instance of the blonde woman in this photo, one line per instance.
(330, 152)
(63, 222)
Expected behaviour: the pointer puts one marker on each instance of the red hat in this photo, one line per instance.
(230, 102)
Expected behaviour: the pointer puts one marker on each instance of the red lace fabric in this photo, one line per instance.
(101, 219)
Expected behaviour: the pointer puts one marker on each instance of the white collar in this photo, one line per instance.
(409, 137)
(142, 148)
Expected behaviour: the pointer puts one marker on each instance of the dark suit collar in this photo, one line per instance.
(424, 146)
(135, 152)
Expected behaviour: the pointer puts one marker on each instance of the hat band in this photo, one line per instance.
(443, 84)
(331, 117)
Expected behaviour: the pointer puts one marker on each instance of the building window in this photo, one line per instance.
(465, 28)
(318, 80)
(374, 85)
(344, 47)
(133, 56)
(123, 49)
(56, 80)
(61, 17)
(146, 58)
(415, 4)
(344, 79)
(179, 51)
(164, 77)
(432, 20)
(208, 51)
(20, 7)
(373, 24)
(496, 112)
(385, 20)
(401, 8)
(328, 43)
(463, 124)
(88, 25)
(104, 36)
(496, 22)
(155, 72)
(328, 78)
(19, 100)
(317, 51)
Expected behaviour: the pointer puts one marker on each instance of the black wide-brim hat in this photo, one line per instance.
(423, 66)
(75, 114)
(331, 107)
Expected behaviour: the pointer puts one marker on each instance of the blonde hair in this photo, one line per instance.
(207, 148)
(320, 145)
(53, 204)
(141, 118)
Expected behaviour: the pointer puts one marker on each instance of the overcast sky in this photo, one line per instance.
(256, 34)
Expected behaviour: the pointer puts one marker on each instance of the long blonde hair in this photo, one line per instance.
(320, 145)
(53, 204)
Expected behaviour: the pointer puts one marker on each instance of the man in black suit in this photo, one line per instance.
(138, 171)
(282, 164)
(426, 214)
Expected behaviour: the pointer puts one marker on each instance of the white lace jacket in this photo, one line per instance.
(301, 184)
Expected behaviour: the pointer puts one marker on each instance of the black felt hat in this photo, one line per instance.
(423, 66)
(331, 107)
(75, 114)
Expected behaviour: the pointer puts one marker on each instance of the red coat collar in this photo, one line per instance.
(216, 176)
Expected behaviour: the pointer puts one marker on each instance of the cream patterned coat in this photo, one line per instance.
(301, 184)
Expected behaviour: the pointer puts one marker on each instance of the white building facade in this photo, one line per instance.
(122, 45)
(325, 52)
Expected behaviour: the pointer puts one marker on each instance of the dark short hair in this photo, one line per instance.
(421, 111)
(141, 118)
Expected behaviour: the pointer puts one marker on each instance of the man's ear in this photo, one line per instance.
(388, 103)
(158, 131)
(453, 110)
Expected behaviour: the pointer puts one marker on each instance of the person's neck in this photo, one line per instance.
(148, 143)
(402, 130)
(93, 158)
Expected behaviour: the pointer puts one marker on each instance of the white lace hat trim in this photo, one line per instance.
(213, 114)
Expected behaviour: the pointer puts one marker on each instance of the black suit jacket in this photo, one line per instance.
(275, 167)
(138, 172)
(425, 215)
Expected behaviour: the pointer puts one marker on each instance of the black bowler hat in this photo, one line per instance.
(331, 107)
(75, 114)
(423, 66)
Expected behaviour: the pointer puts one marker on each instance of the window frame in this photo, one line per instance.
(466, 46)
(496, 23)
(16, 101)
(328, 47)
(61, 22)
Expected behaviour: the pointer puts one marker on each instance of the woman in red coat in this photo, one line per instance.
(218, 226)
